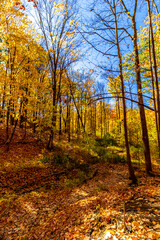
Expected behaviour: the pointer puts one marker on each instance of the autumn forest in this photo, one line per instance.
(79, 119)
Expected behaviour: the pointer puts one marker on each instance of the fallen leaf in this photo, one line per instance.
(153, 235)
(135, 224)
(134, 238)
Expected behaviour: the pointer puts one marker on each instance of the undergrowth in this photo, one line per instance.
(97, 152)
(66, 161)
(99, 149)
(80, 171)
(106, 141)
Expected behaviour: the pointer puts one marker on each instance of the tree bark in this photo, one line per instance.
(154, 97)
(139, 89)
(130, 167)
(140, 98)
(152, 47)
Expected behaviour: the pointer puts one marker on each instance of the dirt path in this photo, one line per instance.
(90, 211)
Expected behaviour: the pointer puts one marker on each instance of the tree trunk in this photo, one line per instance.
(140, 99)
(7, 123)
(50, 144)
(154, 97)
(60, 117)
(12, 134)
(69, 120)
(101, 119)
(154, 68)
(139, 89)
(130, 167)
(95, 119)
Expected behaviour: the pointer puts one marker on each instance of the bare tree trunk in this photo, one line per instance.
(140, 98)
(119, 115)
(152, 47)
(12, 134)
(7, 122)
(154, 97)
(85, 114)
(9, 140)
(101, 119)
(77, 109)
(3, 100)
(139, 89)
(50, 144)
(73, 129)
(95, 121)
(25, 124)
(68, 119)
(104, 113)
(60, 117)
(130, 167)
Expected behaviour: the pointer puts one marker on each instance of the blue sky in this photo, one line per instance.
(93, 58)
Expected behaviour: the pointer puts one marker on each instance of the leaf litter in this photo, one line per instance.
(36, 204)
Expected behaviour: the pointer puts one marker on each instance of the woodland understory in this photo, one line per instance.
(74, 192)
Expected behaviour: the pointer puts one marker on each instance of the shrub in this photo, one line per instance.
(106, 156)
(119, 159)
(45, 159)
(57, 159)
(67, 162)
(106, 141)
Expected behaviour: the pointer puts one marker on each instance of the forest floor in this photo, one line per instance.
(69, 194)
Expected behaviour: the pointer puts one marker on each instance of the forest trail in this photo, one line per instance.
(41, 199)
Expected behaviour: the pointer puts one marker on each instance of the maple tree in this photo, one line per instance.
(22, 58)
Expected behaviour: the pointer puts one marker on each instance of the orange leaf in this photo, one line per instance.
(134, 238)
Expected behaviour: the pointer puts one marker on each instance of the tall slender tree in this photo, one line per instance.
(152, 48)
(56, 22)
(139, 86)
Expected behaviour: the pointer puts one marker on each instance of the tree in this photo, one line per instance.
(57, 25)
(131, 169)
(21, 61)
(107, 30)
(152, 49)
(139, 87)
(114, 87)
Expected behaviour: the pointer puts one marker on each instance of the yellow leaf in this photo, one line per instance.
(135, 224)
(112, 232)
(153, 235)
